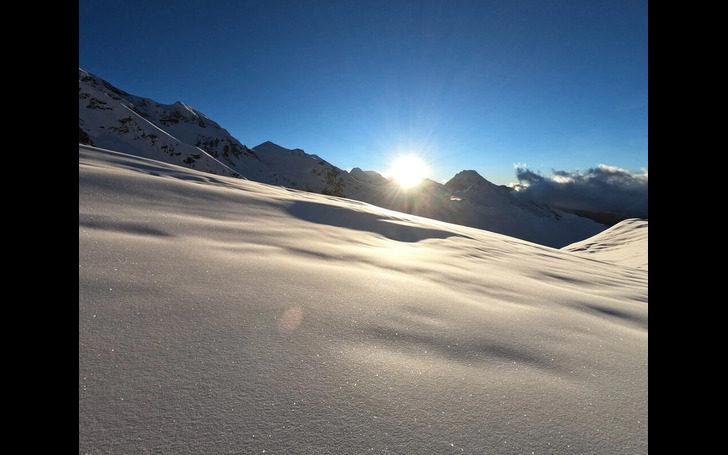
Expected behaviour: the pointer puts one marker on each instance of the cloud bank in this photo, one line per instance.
(601, 189)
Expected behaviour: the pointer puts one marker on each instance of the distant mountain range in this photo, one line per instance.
(113, 119)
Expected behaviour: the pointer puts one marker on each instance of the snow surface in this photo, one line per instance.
(221, 315)
(617, 244)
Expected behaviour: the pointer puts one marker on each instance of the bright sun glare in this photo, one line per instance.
(408, 170)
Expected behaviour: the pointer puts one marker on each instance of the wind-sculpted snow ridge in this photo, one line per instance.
(624, 243)
(221, 315)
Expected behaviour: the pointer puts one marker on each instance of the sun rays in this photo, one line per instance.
(408, 170)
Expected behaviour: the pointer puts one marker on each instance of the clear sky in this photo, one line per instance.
(485, 85)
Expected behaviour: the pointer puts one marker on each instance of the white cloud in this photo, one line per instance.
(604, 188)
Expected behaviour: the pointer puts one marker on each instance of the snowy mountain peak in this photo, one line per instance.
(268, 146)
(467, 180)
(186, 107)
(113, 119)
(271, 148)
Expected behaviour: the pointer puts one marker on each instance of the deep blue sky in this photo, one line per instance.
(480, 84)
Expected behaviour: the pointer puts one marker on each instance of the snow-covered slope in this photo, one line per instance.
(222, 315)
(113, 119)
(179, 134)
(297, 169)
(624, 243)
(116, 120)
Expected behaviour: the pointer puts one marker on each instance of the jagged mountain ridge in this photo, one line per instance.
(178, 134)
(295, 168)
(114, 119)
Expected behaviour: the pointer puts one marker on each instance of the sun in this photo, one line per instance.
(408, 170)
